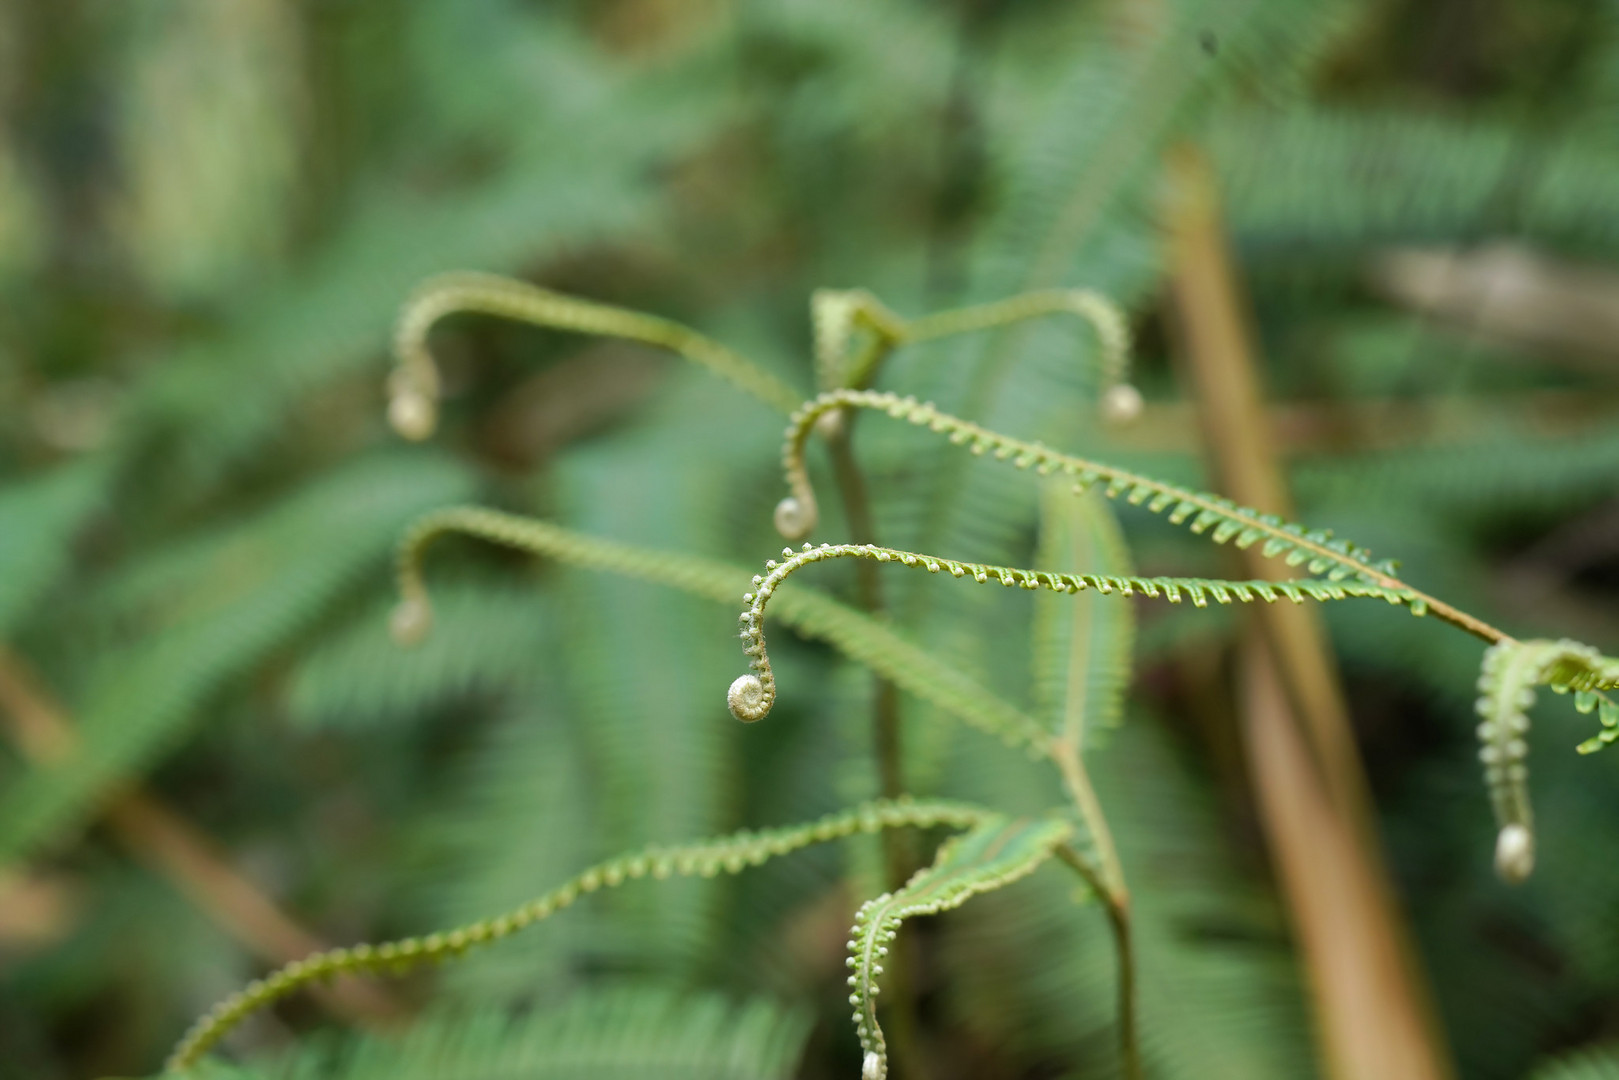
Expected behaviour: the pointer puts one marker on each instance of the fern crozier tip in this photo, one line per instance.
(1514, 853)
(747, 699)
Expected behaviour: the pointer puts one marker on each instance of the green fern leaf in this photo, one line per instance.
(597, 1033)
(272, 578)
(997, 852)
(37, 520)
(728, 855)
(1081, 645)
(1507, 681)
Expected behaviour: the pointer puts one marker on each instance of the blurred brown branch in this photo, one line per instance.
(1372, 1007)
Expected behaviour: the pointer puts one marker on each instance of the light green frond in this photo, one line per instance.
(597, 1033)
(414, 385)
(1507, 681)
(859, 636)
(729, 855)
(1081, 645)
(997, 852)
(752, 695)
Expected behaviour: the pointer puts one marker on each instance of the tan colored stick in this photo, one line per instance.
(1373, 1010)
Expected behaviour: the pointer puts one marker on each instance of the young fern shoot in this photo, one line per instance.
(724, 855)
(1512, 668)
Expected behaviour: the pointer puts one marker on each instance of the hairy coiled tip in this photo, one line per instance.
(1121, 404)
(412, 414)
(1514, 853)
(794, 519)
(747, 699)
(411, 622)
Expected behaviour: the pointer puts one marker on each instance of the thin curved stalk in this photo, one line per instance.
(414, 385)
(730, 855)
(1228, 521)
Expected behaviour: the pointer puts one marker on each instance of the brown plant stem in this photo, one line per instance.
(1372, 1007)
(177, 851)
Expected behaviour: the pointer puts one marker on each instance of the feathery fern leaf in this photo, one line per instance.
(258, 592)
(1507, 681)
(1591, 1063)
(605, 1033)
(861, 637)
(729, 854)
(1081, 646)
(38, 520)
(996, 852)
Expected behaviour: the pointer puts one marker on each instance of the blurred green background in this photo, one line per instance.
(210, 212)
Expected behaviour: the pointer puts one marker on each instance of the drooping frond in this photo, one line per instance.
(596, 1033)
(859, 636)
(1081, 646)
(728, 854)
(1222, 518)
(996, 852)
(837, 313)
(414, 386)
(751, 696)
(1507, 681)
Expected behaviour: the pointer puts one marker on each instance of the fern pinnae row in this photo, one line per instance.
(1507, 679)
(1221, 518)
(996, 852)
(709, 858)
(752, 695)
(857, 635)
(414, 385)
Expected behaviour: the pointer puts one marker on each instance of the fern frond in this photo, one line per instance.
(857, 635)
(836, 313)
(996, 852)
(1507, 681)
(596, 1033)
(414, 386)
(751, 696)
(728, 854)
(1222, 518)
(1081, 647)
(1591, 1063)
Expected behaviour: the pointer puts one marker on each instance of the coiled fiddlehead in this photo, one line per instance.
(751, 696)
(1507, 681)
(413, 388)
(728, 854)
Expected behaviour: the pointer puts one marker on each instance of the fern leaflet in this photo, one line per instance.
(996, 852)
(728, 854)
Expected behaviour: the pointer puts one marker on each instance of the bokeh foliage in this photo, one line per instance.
(210, 211)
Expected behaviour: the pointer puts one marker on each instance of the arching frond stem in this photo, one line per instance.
(1337, 558)
(414, 385)
(729, 855)
(752, 695)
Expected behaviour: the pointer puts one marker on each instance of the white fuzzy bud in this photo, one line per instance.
(412, 414)
(411, 622)
(1121, 404)
(746, 699)
(1514, 853)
